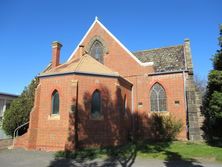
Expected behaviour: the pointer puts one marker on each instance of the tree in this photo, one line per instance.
(200, 84)
(18, 112)
(213, 98)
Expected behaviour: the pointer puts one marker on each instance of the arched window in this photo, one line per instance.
(158, 98)
(96, 104)
(125, 105)
(96, 51)
(55, 102)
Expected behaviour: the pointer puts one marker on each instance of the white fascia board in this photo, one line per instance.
(97, 21)
(73, 53)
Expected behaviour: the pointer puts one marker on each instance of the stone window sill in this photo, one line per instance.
(100, 118)
(164, 113)
(54, 117)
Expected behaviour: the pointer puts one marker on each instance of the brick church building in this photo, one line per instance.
(104, 92)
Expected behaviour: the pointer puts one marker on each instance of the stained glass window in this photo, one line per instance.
(158, 98)
(125, 105)
(96, 51)
(55, 102)
(96, 104)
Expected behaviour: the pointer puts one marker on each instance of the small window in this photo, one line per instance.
(125, 105)
(177, 102)
(140, 104)
(96, 104)
(158, 98)
(96, 51)
(55, 102)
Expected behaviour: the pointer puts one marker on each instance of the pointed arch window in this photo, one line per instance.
(96, 51)
(158, 98)
(55, 102)
(96, 104)
(125, 105)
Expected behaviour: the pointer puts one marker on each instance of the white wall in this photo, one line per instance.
(3, 103)
(2, 107)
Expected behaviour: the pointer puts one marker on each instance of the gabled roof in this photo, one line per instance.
(103, 27)
(85, 64)
(165, 59)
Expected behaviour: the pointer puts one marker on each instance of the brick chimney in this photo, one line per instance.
(56, 46)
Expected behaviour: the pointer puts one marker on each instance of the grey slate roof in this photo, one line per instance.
(8, 94)
(165, 59)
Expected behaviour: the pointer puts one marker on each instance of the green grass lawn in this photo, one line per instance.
(176, 150)
(180, 150)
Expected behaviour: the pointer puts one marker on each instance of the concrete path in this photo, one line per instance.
(22, 158)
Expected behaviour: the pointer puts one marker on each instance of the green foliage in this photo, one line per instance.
(213, 98)
(18, 112)
(217, 60)
(164, 127)
(215, 105)
(214, 81)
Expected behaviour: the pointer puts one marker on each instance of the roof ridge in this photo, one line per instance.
(84, 57)
(157, 48)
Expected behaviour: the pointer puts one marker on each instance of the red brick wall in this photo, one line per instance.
(119, 60)
(112, 128)
(173, 85)
(52, 133)
(21, 141)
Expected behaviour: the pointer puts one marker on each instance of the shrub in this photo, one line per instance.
(164, 127)
(18, 112)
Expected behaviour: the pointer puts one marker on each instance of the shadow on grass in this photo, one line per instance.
(174, 159)
(171, 159)
(215, 142)
(124, 156)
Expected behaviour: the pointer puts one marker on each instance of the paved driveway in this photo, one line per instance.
(22, 158)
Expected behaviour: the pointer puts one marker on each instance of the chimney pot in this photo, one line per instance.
(56, 46)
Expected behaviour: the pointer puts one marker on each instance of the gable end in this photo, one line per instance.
(120, 44)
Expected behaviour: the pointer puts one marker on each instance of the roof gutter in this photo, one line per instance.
(168, 72)
(85, 73)
(77, 73)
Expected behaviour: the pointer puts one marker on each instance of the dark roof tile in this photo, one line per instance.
(165, 59)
